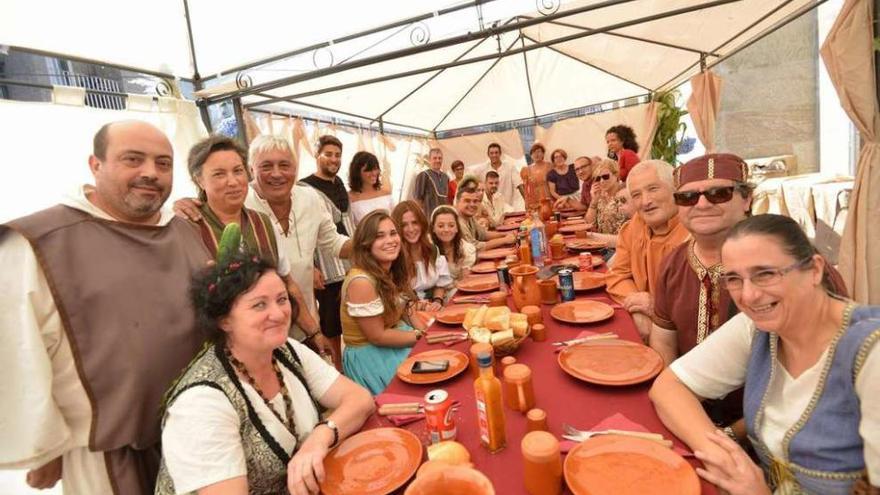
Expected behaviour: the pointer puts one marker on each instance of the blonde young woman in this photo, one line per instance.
(606, 211)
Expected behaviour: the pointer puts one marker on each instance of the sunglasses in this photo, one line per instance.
(715, 195)
(603, 177)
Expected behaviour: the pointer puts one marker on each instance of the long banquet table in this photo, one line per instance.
(564, 398)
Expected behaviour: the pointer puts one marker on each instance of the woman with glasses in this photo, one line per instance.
(809, 362)
(605, 211)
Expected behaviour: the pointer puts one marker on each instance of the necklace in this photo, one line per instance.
(288, 406)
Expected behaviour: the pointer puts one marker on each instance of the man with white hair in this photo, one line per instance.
(297, 211)
(645, 240)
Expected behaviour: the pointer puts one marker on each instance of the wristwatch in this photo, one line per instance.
(419, 333)
(329, 423)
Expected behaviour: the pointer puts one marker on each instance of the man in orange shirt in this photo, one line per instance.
(645, 240)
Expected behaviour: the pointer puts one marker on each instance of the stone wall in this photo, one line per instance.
(769, 100)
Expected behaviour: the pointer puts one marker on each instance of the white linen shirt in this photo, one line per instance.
(310, 227)
(201, 440)
(718, 365)
(508, 182)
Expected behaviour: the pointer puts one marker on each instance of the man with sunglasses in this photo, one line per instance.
(690, 302)
(583, 168)
(644, 241)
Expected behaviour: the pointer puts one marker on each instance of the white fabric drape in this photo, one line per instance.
(48, 146)
(849, 56)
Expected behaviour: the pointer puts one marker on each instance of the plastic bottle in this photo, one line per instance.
(538, 239)
(490, 408)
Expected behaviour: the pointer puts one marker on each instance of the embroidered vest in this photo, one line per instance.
(825, 453)
(265, 458)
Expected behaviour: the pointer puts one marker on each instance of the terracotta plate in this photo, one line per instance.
(484, 267)
(574, 227)
(571, 213)
(573, 221)
(458, 361)
(585, 244)
(478, 283)
(513, 214)
(611, 362)
(373, 462)
(504, 227)
(454, 313)
(574, 260)
(628, 466)
(586, 280)
(582, 311)
(495, 254)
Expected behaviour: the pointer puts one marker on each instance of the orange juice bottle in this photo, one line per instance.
(490, 410)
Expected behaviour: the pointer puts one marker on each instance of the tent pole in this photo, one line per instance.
(500, 56)
(528, 79)
(327, 44)
(239, 117)
(192, 46)
(252, 106)
(629, 37)
(743, 31)
(560, 52)
(482, 58)
(455, 40)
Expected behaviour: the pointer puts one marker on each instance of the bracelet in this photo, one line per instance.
(730, 433)
(330, 424)
(437, 299)
(419, 333)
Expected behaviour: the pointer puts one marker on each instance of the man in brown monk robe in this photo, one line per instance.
(96, 322)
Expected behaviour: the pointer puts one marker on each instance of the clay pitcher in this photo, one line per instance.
(546, 209)
(525, 286)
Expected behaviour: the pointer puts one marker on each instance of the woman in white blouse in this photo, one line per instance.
(446, 234)
(365, 189)
(809, 363)
(245, 415)
(432, 278)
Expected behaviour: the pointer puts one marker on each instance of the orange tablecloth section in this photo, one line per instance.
(564, 398)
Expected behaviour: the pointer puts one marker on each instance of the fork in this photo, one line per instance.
(572, 433)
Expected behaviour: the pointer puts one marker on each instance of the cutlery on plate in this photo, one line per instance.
(575, 435)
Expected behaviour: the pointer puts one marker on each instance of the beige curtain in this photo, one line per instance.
(586, 135)
(703, 106)
(848, 55)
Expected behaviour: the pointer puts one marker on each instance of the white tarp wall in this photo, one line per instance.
(585, 136)
(47, 145)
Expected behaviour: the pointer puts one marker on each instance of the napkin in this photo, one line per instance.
(400, 420)
(620, 422)
(388, 398)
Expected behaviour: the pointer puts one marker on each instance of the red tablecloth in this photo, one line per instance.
(564, 398)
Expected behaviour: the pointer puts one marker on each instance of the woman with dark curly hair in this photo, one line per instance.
(366, 192)
(622, 146)
(376, 302)
(245, 416)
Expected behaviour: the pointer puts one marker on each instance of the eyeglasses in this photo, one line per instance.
(763, 278)
(715, 195)
(600, 178)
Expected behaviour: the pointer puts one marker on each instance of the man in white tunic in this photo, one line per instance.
(95, 321)
(509, 180)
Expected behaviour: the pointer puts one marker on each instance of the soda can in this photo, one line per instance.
(585, 261)
(566, 285)
(503, 277)
(438, 416)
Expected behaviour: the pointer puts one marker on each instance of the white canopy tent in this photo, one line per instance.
(464, 65)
